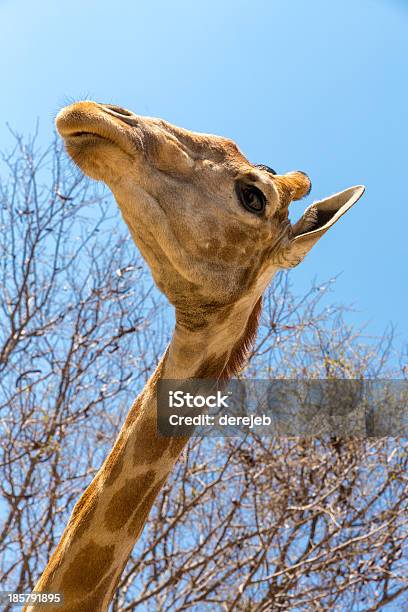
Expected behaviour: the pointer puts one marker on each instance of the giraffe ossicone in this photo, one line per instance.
(214, 229)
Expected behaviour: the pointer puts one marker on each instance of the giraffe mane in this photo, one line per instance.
(240, 350)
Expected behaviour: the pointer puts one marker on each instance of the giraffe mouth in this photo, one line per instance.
(81, 135)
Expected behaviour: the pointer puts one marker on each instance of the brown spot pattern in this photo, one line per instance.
(212, 367)
(150, 446)
(229, 252)
(87, 569)
(177, 445)
(114, 465)
(142, 512)
(236, 235)
(126, 501)
(92, 602)
(84, 511)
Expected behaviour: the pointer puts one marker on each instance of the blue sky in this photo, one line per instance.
(318, 86)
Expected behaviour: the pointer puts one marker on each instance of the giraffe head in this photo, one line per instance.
(211, 225)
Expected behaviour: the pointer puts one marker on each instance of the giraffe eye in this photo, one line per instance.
(251, 197)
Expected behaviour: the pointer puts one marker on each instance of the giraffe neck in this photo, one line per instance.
(110, 516)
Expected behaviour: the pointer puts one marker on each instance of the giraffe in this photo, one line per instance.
(214, 229)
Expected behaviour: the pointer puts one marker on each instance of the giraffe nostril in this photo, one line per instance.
(118, 110)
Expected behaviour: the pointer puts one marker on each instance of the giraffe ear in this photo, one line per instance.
(317, 219)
